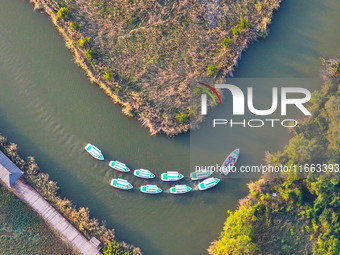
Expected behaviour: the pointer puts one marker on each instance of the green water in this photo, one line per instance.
(50, 109)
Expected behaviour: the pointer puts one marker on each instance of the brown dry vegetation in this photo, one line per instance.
(146, 53)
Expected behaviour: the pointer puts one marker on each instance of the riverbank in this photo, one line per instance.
(23, 232)
(295, 213)
(90, 227)
(145, 56)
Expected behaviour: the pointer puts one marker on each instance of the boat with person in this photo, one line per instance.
(199, 175)
(142, 173)
(119, 166)
(230, 161)
(150, 189)
(180, 189)
(121, 184)
(171, 176)
(94, 151)
(208, 183)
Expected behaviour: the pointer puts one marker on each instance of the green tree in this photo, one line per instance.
(108, 74)
(89, 54)
(211, 69)
(114, 248)
(182, 117)
(62, 13)
(84, 41)
(236, 30)
(74, 25)
(244, 23)
(226, 43)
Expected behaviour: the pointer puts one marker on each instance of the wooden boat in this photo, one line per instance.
(230, 162)
(208, 183)
(200, 175)
(142, 173)
(180, 189)
(121, 184)
(119, 166)
(94, 151)
(150, 189)
(171, 176)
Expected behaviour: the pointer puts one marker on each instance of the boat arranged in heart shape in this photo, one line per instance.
(145, 174)
(180, 189)
(150, 189)
(199, 175)
(121, 184)
(119, 166)
(171, 176)
(94, 151)
(208, 183)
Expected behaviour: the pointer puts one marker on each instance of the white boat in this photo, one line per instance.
(151, 189)
(171, 176)
(199, 175)
(121, 184)
(142, 173)
(119, 166)
(180, 189)
(208, 183)
(94, 151)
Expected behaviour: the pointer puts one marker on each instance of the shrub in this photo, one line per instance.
(89, 54)
(182, 117)
(113, 248)
(244, 23)
(84, 41)
(258, 6)
(226, 43)
(62, 13)
(211, 69)
(74, 25)
(108, 74)
(236, 30)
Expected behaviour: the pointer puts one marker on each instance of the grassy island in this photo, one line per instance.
(145, 53)
(295, 213)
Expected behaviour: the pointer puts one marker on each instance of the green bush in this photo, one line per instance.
(113, 248)
(226, 43)
(211, 69)
(108, 74)
(62, 13)
(182, 117)
(74, 25)
(244, 23)
(236, 30)
(84, 41)
(89, 54)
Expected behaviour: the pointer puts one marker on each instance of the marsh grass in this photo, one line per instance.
(160, 47)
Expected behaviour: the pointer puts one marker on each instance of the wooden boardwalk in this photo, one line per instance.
(54, 218)
(29, 195)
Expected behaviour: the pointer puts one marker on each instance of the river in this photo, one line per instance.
(50, 109)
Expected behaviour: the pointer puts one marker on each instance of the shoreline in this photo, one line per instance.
(48, 189)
